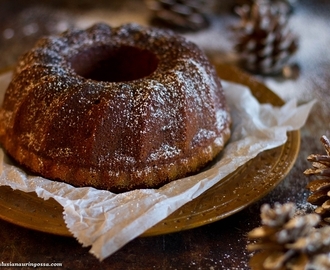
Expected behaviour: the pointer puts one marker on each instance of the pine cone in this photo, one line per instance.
(320, 187)
(285, 241)
(180, 14)
(285, 6)
(264, 42)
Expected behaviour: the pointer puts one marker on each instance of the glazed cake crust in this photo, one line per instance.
(114, 108)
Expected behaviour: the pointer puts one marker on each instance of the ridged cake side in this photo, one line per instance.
(116, 135)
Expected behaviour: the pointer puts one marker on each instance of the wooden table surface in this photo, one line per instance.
(222, 244)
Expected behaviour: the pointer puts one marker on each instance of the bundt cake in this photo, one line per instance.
(114, 108)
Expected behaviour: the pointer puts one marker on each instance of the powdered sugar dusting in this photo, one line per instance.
(115, 128)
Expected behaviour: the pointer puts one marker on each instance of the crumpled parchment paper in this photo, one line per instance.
(107, 221)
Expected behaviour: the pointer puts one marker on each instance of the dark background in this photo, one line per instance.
(222, 244)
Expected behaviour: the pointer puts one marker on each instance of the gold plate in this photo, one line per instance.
(246, 185)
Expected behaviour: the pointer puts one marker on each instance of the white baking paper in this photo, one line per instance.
(106, 221)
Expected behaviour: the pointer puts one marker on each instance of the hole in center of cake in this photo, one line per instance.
(125, 63)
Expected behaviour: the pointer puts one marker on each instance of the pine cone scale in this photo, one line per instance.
(277, 259)
(264, 246)
(318, 197)
(318, 184)
(326, 144)
(321, 211)
(262, 231)
(319, 158)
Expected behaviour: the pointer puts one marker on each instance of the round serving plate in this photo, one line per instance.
(246, 185)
